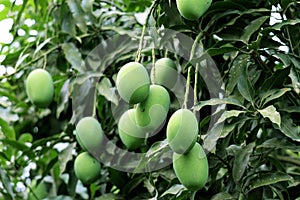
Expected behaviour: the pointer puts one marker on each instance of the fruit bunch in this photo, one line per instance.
(89, 135)
(151, 104)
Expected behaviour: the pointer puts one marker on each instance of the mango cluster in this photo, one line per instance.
(151, 103)
(189, 159)
(89, 135)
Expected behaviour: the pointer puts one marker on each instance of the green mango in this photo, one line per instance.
(39, 88)
(192, 9)
(151, 113)
(164, 73)
(133, 83)
(130, 133)
(182, 131)
(87, 168)
(192, 168)
(89, 134)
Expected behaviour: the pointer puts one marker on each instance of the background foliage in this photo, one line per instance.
(255, 45)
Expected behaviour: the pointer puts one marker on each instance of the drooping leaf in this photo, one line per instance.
(241, 161)
(273, 94)
(7, 130)
(106, 89)
(215, 101)
(236, 70)
(252, 28)
(288, 128)
(229, 114)
(73, 56)
(78, 14)
(176, 189)
(245, 87)
(271, 113)
(268, 178)
(7, 183)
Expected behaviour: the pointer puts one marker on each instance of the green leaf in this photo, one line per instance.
(215, 101)
(106, 89)
(252, 28)
(271, 113)
(65, 156)
(241, 161)
(73, 56)
(276, 80)
(25, 137)
(176, 190)
(295, 80)
(268, 179)
(220, 50)
(7, 130)
(222, 196)
(245, 87)
(289, 22)
(288, 128)
(273, 94)
(229, 114)
(20, 146)
(78, 14)
(238, 67)
(68, 24)
(280, 143)
(6, 183)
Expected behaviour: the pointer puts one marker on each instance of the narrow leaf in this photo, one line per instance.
(174, 190)
(238, 66)
(73, 56)
(215, 101)
(78, 14)
(252, 28)
(241, 161)
(288, 128)
(245, 87)
(7, 130)
(271, 113)
(273, 94)
(6, 183)
(229, 114)
(269, 179)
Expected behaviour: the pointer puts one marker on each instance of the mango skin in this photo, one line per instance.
(182, 131)
(192, 168)
(87, 168)
(151, 113)
(133, 82)
(130, 133)
(164, 73)
(89, 134)
(192, 9)
(39, 88)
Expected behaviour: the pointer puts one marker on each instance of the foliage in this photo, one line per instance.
(252, 146)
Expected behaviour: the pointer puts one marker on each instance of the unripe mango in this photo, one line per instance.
(192, 168)
(164, 73)
(182, 131)
(130, 133)
(87, 168)
(39, 87)
(133, 83)
(192, 9)
(89, 134)
(151, 113)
